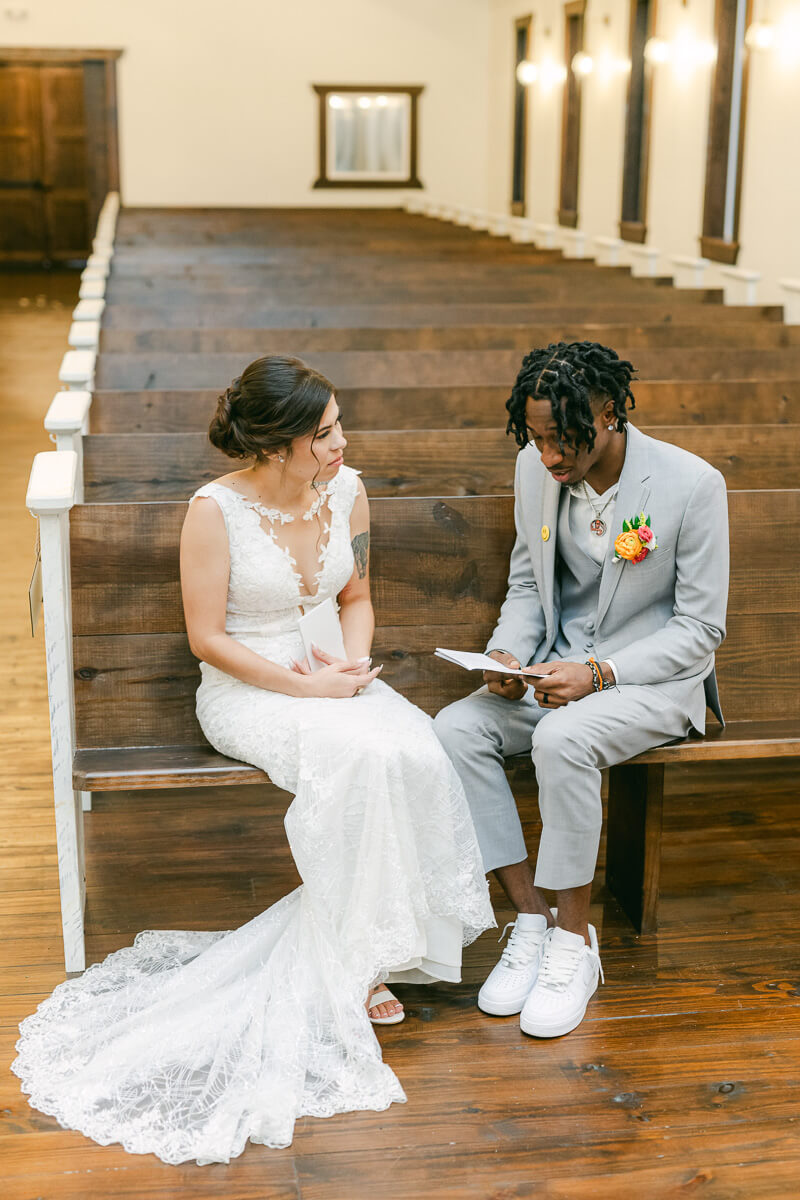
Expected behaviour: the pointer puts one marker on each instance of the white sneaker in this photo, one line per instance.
(566, 981)
(508, 986)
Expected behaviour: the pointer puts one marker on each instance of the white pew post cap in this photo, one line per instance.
(88, 310)
(791, 305)
(84, 335)
(68, 412)
(92, 289)
(77, 368)
(51, 487)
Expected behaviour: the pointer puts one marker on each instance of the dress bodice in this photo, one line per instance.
(264, 588)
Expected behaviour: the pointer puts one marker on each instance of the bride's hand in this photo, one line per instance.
(360, 665)
(301, 668)
(339, 680)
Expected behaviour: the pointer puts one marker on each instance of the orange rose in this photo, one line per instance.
(628, 545)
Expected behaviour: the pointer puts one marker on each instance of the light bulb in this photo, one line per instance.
(335, 102)
(582, 64)
(656, 50)
(527, 72)
(364, 102)
(382, 101)
(760, 36)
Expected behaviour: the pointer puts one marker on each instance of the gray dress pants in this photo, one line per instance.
(569, 747)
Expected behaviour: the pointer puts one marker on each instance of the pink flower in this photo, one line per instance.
(641, 556)
(645, 534)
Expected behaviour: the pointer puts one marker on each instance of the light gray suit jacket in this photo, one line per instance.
(660, 620)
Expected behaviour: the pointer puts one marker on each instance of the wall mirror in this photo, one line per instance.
(368, 136)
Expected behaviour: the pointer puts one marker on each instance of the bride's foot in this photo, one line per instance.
(383, 1008)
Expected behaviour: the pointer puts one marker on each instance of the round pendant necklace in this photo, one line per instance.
(597, 525)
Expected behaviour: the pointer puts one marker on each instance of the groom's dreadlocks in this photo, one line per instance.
(571, 375)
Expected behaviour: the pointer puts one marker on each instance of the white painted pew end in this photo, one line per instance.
(50, 496)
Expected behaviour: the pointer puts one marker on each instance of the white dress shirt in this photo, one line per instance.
(581, 515)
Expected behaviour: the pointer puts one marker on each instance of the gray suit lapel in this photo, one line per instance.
(631, 500)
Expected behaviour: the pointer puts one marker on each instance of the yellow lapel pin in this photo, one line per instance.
(545, 533)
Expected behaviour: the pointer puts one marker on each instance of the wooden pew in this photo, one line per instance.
(444, 462)
(439, 570)
(433, 368)
(761, 335)
(199, 315)
(659, 402)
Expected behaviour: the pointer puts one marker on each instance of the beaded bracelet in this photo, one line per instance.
(597, 675)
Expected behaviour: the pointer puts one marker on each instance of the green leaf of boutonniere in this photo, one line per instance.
(626, 526)
(647, 521)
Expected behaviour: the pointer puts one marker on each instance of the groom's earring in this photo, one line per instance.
(610, 428)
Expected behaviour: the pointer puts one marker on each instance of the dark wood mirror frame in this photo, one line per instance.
(413, 91)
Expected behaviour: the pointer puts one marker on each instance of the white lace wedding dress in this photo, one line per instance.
(186, 1045)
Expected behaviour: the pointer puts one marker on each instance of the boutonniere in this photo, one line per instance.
(636, 541)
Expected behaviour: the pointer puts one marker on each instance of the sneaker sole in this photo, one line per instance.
(500, 1010)
(551, 1031)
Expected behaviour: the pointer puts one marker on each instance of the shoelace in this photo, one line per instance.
(559, 965)
(521, 946)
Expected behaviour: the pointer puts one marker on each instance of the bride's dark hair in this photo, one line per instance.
(275, 400)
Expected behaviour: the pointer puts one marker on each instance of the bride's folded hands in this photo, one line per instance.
(338, 679)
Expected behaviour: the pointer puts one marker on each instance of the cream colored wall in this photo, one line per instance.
(215, 102)
(769, 231)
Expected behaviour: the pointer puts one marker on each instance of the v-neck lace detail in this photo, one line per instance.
(265, 589)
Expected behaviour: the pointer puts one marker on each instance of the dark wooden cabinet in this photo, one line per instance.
(58, 151)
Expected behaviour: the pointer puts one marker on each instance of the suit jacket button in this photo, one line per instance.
(545, 533)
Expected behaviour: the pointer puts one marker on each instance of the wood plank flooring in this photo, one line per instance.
(684, 1079)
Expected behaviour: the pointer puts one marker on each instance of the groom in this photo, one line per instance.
(616, 599)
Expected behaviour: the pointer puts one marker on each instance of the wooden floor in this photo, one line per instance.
(683, 1080)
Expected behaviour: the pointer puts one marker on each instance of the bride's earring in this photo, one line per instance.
(281, 458)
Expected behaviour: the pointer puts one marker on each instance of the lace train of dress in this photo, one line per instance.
(187, 1045)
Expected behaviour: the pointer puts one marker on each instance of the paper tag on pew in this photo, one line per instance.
(482, 662)
(35, 588)
(320, 627)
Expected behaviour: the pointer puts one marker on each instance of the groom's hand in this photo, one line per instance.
(565, 681)
(510, 687)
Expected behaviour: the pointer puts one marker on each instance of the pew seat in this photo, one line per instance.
(147, 767)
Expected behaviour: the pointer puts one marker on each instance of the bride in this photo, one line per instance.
(187, 1045)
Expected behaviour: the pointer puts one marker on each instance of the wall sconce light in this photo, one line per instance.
(582, 64)
(527, 73)
(335, 102)
(551, 74)
(760, 36)
(657, 50)
(364, 102)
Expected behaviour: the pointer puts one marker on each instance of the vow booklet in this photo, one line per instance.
(320, 627)
(482, 662)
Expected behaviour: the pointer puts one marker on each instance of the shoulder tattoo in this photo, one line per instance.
(361, 552)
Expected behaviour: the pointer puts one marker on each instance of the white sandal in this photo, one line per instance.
(384, 996)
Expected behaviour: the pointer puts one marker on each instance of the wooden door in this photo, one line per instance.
(57, 152)
(22, 223)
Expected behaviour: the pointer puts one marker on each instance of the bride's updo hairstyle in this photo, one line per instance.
(275, 400)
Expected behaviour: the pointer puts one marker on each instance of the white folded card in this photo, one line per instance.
(482, 662)
(320, 627)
